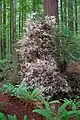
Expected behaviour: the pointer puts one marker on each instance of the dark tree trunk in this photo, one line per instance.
(65, 13)
(76, 26)
(15, 2)
(22, 17)
(70, 15)
(34, 7)
(4, 30)
(0, 26)
(25, 10)
(61, 12)
(51, 8)
(12, 26)
(19, 23)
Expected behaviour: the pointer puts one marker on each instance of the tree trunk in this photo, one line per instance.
(0, 27)
(12, 27)
(51, 8)
(4, 30)
(76, 26)
(70, 15)
(25, 10)
(15, 2)
(22, 15)
(65, 13)
(20, 18)
(34, 7)
(61, 12)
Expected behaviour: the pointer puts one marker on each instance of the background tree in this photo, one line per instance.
(75, 12)
(0, 26)
(51, 8)
(12, 27)
(70, 15)
(4, 30)
(14, 13)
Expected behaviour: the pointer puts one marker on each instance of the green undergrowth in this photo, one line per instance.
(68, 45)
(69, 109)
(8, 71)
(10, 117)
(22, 92)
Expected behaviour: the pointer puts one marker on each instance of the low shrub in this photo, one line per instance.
(8, 71)
(70, 109)
(22, 92)
(10, 117)
(68, 45)
(46, 110)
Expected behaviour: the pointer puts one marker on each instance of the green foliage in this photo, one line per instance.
(6, 67)
(25, 94)
(69, 46)
(25, 117)
(2, 116)
(21, 9)
(22, 92)
(10, 117)
(46, 110)
(9, 88)
(69, 109)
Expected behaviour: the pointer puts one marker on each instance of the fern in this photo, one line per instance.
(22, 92)
(10, 117)
(2, 116)
(64, 114)
(25, 117)
(46, 111)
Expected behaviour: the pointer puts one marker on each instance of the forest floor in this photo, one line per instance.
(12, 106)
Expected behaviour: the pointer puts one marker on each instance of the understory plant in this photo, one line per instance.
(70, 109)
(22, 92)
(10, 117)
(7, 68)
(70, 49)
(68, 45)
(46, 110)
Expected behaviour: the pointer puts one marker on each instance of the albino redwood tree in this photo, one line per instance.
(51, 8)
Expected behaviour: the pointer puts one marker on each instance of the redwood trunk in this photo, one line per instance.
(51, 8)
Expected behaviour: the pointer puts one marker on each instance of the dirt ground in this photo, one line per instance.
(13, 106)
